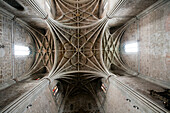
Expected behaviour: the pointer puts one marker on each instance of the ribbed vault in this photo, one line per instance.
(78, 30)
(77, 49)
(77, 35)
(80, 36)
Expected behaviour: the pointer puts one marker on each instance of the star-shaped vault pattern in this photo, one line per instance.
(78, 30)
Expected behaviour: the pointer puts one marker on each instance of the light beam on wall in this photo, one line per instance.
(21, 50)
(131, 48)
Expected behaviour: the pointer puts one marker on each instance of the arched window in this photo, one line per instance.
(21, 50)
(55, 90)
(131, 47)
(103, 87)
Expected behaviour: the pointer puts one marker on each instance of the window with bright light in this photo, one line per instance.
(21, 50)
(103, 87)
(55, 90)
(132, 47)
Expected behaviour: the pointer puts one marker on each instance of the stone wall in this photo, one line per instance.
(153, 32)
(5, 39)
(12, 33)
(116, 102)
(44, 103)
(21, 37)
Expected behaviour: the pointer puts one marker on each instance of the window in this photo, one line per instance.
(55, 90)
(131, 48)
(21, 50)
(103, 87)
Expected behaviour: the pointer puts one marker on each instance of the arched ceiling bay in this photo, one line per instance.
(78, 28)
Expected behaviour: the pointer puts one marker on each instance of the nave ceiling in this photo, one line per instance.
(76, 35)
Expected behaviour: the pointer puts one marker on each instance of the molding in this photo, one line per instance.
(7, 84)
(145, 12)
(156, 5)
(14, 18)
(165, 84)
(144, 103)
(117, 6)
(6, 13)
(21, 103)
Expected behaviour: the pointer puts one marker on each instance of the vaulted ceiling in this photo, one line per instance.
(77, 38)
